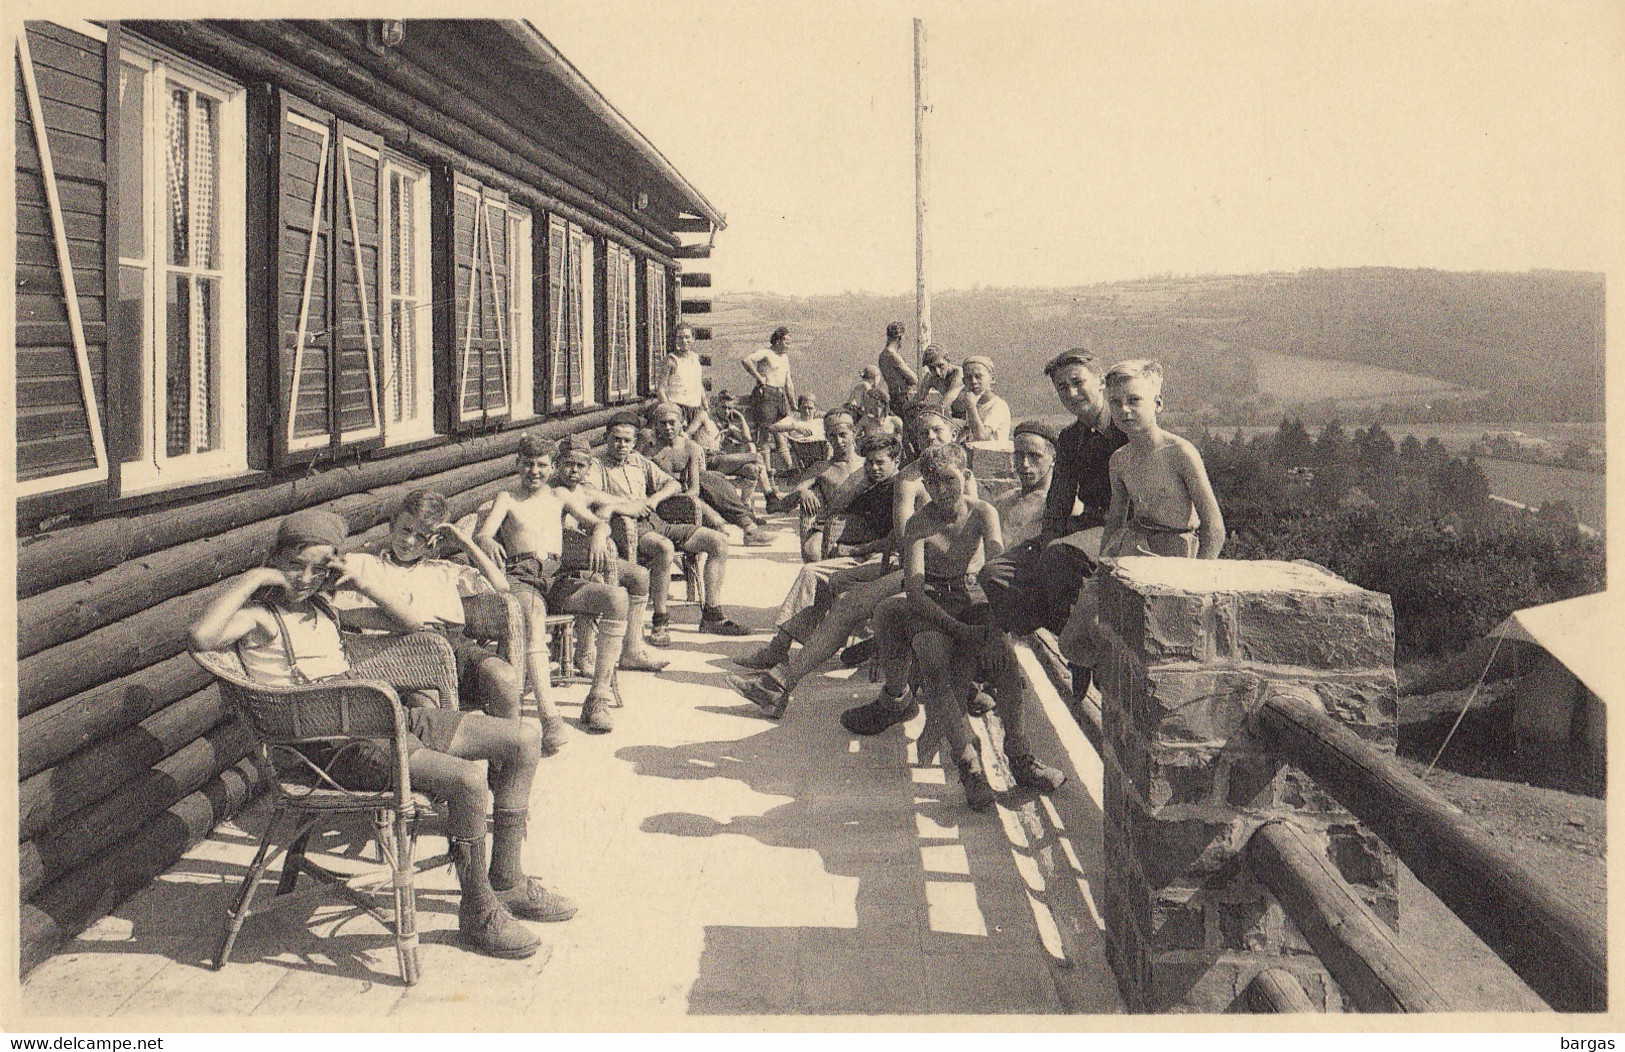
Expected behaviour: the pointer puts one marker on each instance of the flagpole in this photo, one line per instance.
(922, 255)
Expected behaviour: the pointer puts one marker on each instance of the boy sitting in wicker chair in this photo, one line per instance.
(281, 619)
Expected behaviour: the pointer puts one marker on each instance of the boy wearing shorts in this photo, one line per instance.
(281, 620)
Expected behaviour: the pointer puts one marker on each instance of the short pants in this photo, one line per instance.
(555, 584)
(678, 533)
(367, 765)
(769, 405)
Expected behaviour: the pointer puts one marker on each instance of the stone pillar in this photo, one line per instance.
(1191, 649)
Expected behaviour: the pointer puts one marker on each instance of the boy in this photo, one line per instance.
(682, 382)
(640, 485)
(868, 532)
(442, 595)
(684, 459)
(775, 392)
(286, 631)
(1021, 513)
(1034, 585)
(986, 415)
(901, 380)
(827, 484)
(937, 623)
(941, 382)
(1162, 502)
(526, 527)
(859, 589)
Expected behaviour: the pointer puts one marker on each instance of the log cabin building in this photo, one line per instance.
(264, 266)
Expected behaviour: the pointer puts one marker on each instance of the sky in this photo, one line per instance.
(1072, 143)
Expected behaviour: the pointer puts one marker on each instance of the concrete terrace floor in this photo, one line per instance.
(725, 865)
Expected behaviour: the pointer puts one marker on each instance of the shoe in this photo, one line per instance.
(978, 704)
(554, 735)
(765, 692)
(858, 652)
(595, 714)
(756, 539)
(761, 660)
(879, 715)
(979, 794)
(642, 663)
(528, 900)
(721, 625)
(659, 635)
(1031, 773)
(495, 933)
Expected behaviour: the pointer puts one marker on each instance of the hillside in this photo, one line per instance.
(1527, 340)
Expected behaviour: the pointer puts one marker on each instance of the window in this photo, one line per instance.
(620, 291)
(492, 298)
(408, 327)
(181, 266)
(570, 342)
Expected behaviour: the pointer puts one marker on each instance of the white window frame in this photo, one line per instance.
(422, 424)
(588, 278)
(153, 469)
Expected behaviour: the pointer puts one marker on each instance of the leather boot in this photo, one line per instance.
(483, 922)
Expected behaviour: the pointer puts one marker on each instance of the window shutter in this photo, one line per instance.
(558, 356)
(496, 384)
(656, 335)
(356, 286)
(61, 260)
(479, 245)
(304, 256)
(621, 300)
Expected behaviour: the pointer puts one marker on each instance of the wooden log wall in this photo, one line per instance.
(127, 755)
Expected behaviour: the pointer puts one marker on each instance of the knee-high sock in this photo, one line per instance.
(611, 636)
(507, 837)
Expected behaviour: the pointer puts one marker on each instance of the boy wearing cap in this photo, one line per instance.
(986, 415)
(867, 386)
(639, 485)
(827, 484)
(1052, 567)
(284, 627)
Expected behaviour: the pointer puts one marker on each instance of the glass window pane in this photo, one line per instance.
(205, 191)
(206, 366)
(178, 367)
(132, 200)
(177, 154)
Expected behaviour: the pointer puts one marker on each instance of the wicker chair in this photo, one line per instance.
(301, 733)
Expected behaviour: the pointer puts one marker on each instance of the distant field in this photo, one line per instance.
(1535, 484)
(1292, 379)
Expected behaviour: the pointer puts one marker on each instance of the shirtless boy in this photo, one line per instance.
(938, 623)
(526, 526)
(685, 460)
(1162, 502)
(827, 485)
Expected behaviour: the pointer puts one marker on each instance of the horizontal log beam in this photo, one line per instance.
(691, 225)
(51, 797)
(75, 553)
(1277, 991)
(450, 144)
(1353, 944)
(1554, 946)
(52, 734)
(693, 279)
(702, 332)
(696, 306)
(63, 908)
(691, 252)
(103, 825)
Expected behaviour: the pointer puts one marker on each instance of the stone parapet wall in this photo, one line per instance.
(1190, 650)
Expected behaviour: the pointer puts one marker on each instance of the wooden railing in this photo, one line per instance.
(1559, 950)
